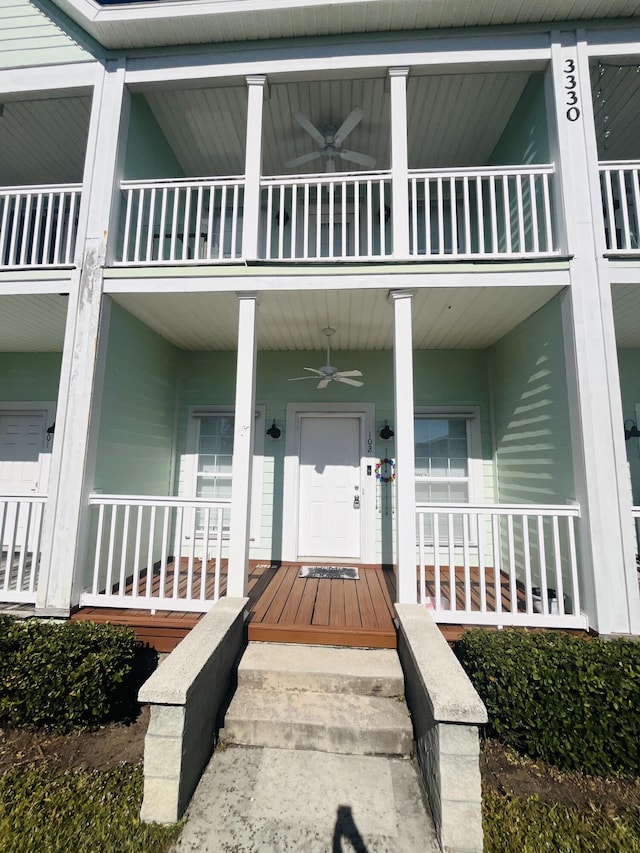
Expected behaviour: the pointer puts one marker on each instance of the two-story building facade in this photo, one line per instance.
(348, 284)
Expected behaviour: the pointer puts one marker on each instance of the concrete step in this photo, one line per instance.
(286, 666)
(327, 722)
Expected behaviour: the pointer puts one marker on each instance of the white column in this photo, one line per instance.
(243, 441)
(405, 447)
(607, 547)
(399, 162)
(253, 166)
(77, 421)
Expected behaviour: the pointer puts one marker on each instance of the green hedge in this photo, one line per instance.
(64, 675)
(571, 701)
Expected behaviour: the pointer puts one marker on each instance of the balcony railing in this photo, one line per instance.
(182, 221)
(38, 225)
(20, 536)
(620, 183)
(336, 217)
(482, 213)
(497, 564)
(156, 553)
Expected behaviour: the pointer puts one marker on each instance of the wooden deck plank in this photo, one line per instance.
(279, 600)
(367, 610)
(308, 603)
(322, 635)
(379, 598)
(337, 615)
(261, 605)
(351, 604)
(294, 599)
(323, 603)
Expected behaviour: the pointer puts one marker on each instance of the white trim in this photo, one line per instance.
(48, 408)
(49, 80)
(187, 484)
(365, 412)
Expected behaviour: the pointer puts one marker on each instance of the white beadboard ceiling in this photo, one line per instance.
(32, 323)
(206, 127)
(443, 318)
(626, 313)
(156, 24)
(43, 141)
(616, 105)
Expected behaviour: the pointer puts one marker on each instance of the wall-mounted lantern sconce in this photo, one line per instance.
(274, 431)
(631, 430)
(386, 432)
(50, 431)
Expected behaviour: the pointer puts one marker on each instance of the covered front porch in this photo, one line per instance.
(493, 527)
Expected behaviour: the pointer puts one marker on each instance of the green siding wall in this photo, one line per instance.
(149, 155)
(531, 411)
(29, 376)
(28, 37)
(629, 367)
(138, 409)
(525, 139)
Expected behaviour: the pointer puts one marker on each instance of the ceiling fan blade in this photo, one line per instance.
(346, 381)
(305, 158)
(357, 157)
(311, 129)
(352, 120)
(323, 383)
(300, 378)
(314, 370)
(349, 373)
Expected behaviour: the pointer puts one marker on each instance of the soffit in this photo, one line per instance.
(443, 318)
(616, 106)
(32, 323)
(136, 25)
(626, 312)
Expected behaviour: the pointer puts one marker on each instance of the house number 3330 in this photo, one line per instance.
(570, 85)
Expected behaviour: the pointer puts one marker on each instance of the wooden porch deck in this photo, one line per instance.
(287, 609)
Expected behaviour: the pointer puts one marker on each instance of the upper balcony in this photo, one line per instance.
(42, 153)
(478, 185)
(616, 99)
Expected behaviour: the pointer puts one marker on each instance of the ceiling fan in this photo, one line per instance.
(328, 373)
(330, 142)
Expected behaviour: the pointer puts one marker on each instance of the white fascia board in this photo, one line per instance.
(528, 50)
(613, 41)
(557, 280)
(622, 273)
(39, 80)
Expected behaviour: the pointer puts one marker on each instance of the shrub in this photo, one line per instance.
(571, 701)
(64, 675)
(514, 825)
(49, 810)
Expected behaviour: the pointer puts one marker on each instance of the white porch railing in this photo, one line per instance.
(334, 217)
(20, 536)
(182, 221)
(501, 212)
(156, 553)
(620, 183)
(499, 564)
(38, 225)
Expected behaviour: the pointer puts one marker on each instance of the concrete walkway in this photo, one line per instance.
(265, 799)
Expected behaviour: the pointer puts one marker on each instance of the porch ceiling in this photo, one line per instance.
(206, 126)
(32, 323)
(43, 141)
(124, 24)
(443, 318)
(626, 314)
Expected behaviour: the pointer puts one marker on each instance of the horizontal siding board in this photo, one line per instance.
(28, 37)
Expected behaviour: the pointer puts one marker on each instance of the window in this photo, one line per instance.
(443, 466)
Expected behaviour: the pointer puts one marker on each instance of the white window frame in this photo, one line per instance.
(474, 480)
(189, 488)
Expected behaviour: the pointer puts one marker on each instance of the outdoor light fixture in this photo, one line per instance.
(386, 432)
(275, 432)
(631, 430)
(51, 430)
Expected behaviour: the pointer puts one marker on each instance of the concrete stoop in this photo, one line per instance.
(339, 700)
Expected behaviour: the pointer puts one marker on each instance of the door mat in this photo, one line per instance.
(347, 573)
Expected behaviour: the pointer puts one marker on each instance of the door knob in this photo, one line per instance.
(356, 501)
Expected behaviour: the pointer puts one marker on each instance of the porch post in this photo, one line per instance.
(243, 440)
(73, 459)
(405, 452)
(607, 546)
(253, 167)
(399, 162)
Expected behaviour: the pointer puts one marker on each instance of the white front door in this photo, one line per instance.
(329, 494)
(22, 437)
